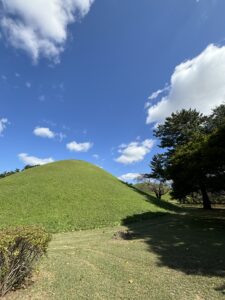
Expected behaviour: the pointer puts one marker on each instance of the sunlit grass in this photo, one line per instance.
(170, 257)
(68, 195)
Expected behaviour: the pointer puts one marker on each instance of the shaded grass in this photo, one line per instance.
(69, 195)
(191, 242)
(177, 256)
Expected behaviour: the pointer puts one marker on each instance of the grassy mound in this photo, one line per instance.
(68, 195)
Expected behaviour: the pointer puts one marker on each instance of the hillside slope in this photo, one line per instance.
(68, 195)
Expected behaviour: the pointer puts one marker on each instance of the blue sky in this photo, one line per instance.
(78, 87)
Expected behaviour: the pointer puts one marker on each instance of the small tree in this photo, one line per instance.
(150, 186)
(159, 189)
(156, 180)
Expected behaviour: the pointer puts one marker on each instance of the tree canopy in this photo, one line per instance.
(194, 157)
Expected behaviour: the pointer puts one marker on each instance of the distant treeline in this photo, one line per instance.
(8, 173)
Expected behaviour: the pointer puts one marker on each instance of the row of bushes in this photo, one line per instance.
(195, 198)
(9, 173)
(20, 249)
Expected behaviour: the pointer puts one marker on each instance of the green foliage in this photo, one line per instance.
(155, 181)
(9, 173)
(217, 118)
(199, 164)
(195, 152)
(196, 198)
(187, 169)
(158, 168)
(30, 167)
(68, 195)
(5, 174)
(20, 249)
(213, 151)
(179, 128)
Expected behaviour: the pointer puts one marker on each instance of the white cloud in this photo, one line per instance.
(61, 136)
(4, 77)
(99, 166)
(28, 84)
(3, 125)
(198, 83)
(40, 27)
(79, 147)
(129, 177)
(44, 132)
(42, 98)
(134, 152)
(32, 160)
(96, 156)
(157, 93)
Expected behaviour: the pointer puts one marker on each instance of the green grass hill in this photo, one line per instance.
(68, 195)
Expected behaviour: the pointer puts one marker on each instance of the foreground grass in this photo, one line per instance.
(171, 257)
(69, 195)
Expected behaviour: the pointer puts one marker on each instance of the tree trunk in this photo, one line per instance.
(205, 197)
(156, 194)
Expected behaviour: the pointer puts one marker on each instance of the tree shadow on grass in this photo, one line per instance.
(186, 243)
(221, 289)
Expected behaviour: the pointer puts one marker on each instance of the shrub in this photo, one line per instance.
(20, 249)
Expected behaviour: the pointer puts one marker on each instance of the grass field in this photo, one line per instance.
(169, 253)
(69, 195)
(177, 256)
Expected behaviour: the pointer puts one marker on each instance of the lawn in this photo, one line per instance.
(176, 256)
